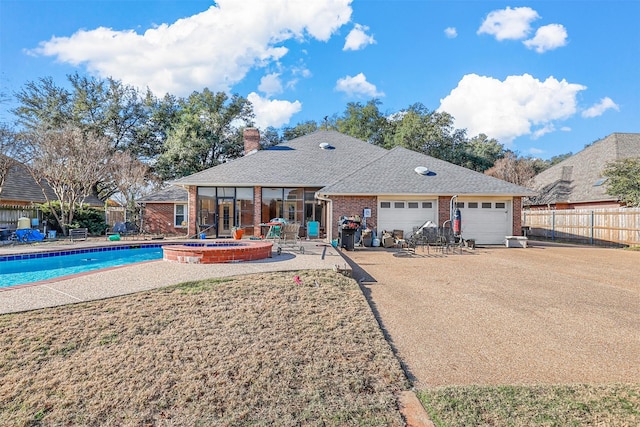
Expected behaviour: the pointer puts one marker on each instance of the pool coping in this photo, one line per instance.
(147, 275)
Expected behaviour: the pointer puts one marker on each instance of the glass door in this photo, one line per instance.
(226, 214)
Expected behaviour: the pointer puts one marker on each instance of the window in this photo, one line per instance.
(500, 205)
(460, 205)
(472, 205)
(180, 216)
(486, 205)
(385, 205)
(398, 205)
(413, 205)
(427, 205)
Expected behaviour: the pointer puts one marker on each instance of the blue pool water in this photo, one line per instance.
(47, 266)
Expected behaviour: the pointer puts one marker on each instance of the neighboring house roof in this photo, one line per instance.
(578, 179)
(350, 167)
(171, 194)
(394, 173)
(20, 186)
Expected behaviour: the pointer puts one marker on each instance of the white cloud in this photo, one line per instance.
(548, 128)
(272, 112)
(357, 86)
(215, 48)
(509, 24)
(358, 38)
(549, 37)
(534, 150)
(599, 108)
(451, 32)
(508, 109)
(270, 84)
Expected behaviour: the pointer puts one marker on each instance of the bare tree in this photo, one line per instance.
(9, 152)
(71, 162)
(131, 178)
(513, 169)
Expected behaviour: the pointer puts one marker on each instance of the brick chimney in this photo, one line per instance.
(251, 140)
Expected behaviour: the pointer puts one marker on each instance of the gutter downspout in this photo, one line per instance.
(329, 214)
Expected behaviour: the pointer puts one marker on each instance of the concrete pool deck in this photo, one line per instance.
(147, 275)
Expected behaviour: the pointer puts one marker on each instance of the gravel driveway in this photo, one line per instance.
(545, 314)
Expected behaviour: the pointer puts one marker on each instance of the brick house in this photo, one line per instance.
(165, 211)
(577, 182)
(326, 175)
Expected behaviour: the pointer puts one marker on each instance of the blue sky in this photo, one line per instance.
(542, 77)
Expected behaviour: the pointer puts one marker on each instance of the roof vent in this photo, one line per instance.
(325, 145)
(421, 170)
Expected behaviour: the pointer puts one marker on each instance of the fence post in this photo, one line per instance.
(591, 227)
(553, 225)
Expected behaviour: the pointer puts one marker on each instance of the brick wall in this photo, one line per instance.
(158, 218)
(517, 216)
(353, 205)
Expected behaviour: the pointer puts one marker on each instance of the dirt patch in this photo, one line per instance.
(552, 314)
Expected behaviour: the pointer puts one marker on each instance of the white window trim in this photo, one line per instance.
(185, 214)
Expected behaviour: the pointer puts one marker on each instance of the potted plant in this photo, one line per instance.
(237, 232)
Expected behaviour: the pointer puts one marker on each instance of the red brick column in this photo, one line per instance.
(517, 216)
(444, 213)
(193, 210)
(257, 210)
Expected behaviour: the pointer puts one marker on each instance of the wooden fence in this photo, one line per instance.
(619, 226)
(9, 215)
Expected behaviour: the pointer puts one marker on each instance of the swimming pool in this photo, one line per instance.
(34, 267)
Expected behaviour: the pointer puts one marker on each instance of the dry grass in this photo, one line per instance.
(258, 350)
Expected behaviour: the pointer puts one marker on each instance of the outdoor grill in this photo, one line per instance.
(347, 229)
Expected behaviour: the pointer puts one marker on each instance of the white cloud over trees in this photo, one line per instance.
(519, 105)
(357, 86)
(272, 112)
(215, 48)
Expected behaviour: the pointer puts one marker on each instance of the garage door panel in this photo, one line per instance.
(404, 215)
(484, 224)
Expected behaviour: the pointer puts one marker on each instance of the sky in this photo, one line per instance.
(542, 77)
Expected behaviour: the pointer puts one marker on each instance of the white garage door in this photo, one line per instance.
(404, 215)
(486, 222)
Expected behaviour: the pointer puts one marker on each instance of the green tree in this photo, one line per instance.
(364, 122)
(270, 137)
(207, 132)
(623, 180)
(480, 153)
(301, 129)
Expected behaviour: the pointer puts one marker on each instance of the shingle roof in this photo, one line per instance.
(394, 174)
(20, 186)
(574, 179)
(170, 194)
(350, 166)
(296, 163)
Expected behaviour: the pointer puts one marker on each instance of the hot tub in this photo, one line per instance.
(217, 251)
